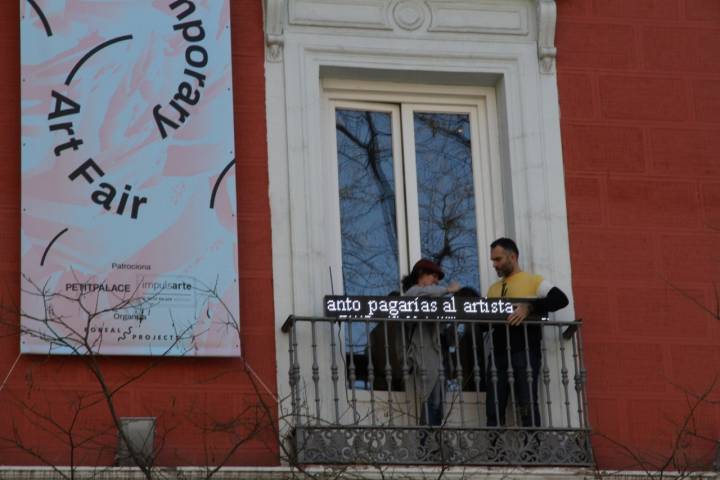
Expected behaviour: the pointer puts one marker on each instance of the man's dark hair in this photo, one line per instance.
(506, 243)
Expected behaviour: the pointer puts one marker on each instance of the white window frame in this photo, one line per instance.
(403, 101)
(332, 193)
(487, 178)
(398, 42)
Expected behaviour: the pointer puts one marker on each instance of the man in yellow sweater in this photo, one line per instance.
(540, 297)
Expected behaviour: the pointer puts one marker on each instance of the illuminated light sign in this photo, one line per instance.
(439, 308)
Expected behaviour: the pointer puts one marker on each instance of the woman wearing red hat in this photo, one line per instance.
(423, 280)
(425, 346)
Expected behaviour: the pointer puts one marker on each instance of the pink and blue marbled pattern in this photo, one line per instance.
(180, 239)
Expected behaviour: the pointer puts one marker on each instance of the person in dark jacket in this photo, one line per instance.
(542, 297)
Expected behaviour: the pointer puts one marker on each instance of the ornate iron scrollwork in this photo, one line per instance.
(442, 446)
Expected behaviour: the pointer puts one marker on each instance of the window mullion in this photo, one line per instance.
(404, 253)
(410, 176)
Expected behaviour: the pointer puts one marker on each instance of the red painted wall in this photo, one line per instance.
(640, 103)
(639, 84)
(204, 406)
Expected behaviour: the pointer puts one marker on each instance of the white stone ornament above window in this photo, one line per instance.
(410, 14)
(429, 19)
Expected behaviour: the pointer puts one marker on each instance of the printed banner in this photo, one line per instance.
(129, 232)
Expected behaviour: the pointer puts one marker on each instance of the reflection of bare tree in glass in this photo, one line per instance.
(367, 202)
(446, 197)
(368, 211)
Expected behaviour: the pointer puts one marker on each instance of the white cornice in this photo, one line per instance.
(546, 20)
(427, 19)
(411, 15)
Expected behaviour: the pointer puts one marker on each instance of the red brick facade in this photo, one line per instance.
(640, 105)
(640, 118)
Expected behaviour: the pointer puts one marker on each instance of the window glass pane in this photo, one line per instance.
(446, 198)
(368, 221)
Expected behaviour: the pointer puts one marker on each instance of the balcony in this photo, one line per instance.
(383, 391)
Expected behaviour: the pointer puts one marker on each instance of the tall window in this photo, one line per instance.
(403, 197)
(410, 183)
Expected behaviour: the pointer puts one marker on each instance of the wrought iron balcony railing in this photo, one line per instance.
(452, 392)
